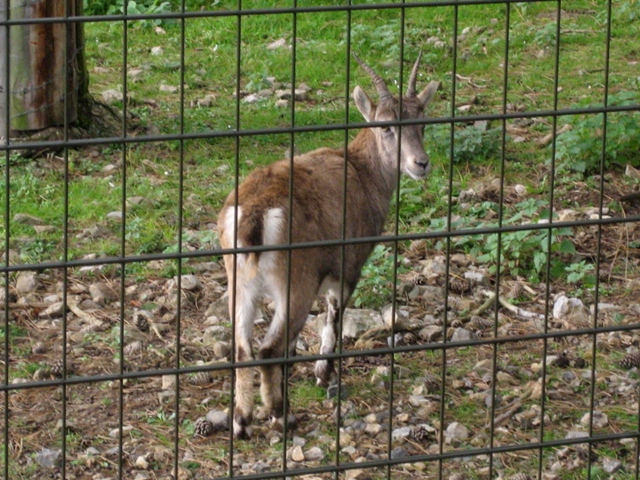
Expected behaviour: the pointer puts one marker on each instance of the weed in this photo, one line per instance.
(580, 149)
(469, 143)
(376, 286)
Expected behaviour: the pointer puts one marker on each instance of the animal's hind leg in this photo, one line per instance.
(272, 381)
(245, 297)
(325, 371)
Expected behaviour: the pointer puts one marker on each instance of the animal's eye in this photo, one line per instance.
(386, 130)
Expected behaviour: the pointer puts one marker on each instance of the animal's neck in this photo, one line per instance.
(378, 178)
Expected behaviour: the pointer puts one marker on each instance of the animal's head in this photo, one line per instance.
(414, 161)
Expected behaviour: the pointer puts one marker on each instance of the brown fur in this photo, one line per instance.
(317, 204)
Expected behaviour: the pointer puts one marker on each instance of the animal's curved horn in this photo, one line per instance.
(411, 88)
(378, 82)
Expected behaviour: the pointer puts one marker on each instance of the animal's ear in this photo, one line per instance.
(426, 95)
(363, 102)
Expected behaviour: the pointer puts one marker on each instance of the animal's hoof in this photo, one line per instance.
(325, 374)
(241, 427)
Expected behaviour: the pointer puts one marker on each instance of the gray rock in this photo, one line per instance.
(24, 219)
(219, 420)
(476, 277)
(48, 458)
(296, 454)
(357, 321)
(600, 419)
(189, 282)
(26, 282)
(430, 333)
(314, 454)
(219, 308)
(399, 314)
(101, 293)
(611, 465)
(221, 349)
(401, 433)
(461, 335)
(116, 215)
(112, 96)
(456, 433)
(565, 307)
(398, 452)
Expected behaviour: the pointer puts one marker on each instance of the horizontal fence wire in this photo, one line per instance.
(338, 466)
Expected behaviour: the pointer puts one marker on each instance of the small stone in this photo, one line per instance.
(101, 293)
(373, 428)
(297, 455)
(24, 219)
(565, 307)
(611, 465)
(456, 433)
(398, 452)
(117, 215)
(221, 349)
(461, 335)
(141, 462)
(26, 282)
(135, 200)
(600, 420)
(40, 229)
(520, 189)
(157, 50)
(168, 88)
(314, 454)
(48, 458)
(115, 433)
(190, 283)
(280, 43)
(38, 348)
(112, 96)
(401, 433)
(219, 420)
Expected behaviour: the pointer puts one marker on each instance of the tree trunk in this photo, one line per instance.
(47, 74)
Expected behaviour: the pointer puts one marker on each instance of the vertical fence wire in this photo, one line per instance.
(123, 242)
(4, 15)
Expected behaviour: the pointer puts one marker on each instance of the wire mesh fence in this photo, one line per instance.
(493, 332)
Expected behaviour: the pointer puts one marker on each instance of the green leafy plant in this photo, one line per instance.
(522, 252)
(581, 274)
(580, 149)
(375, 288)
(469, 143)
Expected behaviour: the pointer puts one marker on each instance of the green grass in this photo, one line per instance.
(153, 170)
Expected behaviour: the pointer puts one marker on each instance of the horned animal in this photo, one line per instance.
(261, 213)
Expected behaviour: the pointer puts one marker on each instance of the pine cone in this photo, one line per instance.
(630, 361)
(459, 285)
(422, 433)
(200, 378)
(133, 348)
(203, 427)
(432, 383)
(56, 369)
(141, 321)
(516, 290)
(479, 323)
(409, 338)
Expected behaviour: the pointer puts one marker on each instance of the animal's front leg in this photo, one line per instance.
(325, 371)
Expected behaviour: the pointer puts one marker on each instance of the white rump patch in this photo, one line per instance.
(230, 224)
(274, 223)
